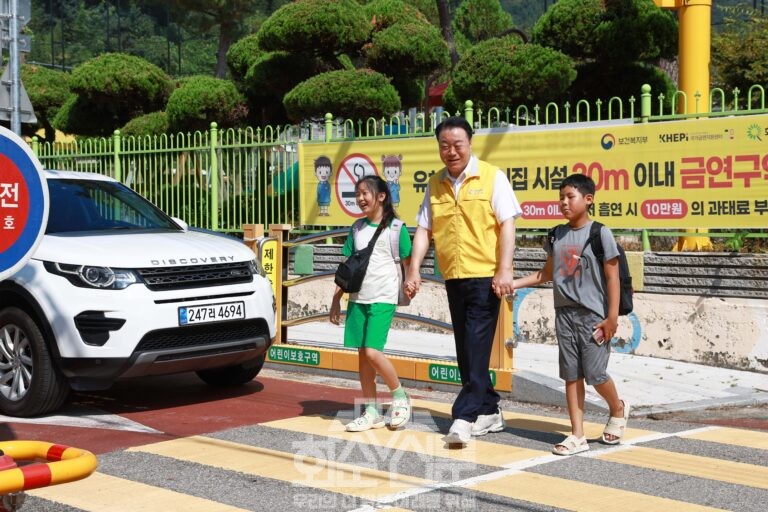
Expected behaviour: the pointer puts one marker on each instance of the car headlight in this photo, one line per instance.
(87, 276)
(255, 267)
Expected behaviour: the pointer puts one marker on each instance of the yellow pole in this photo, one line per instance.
(501, 351)
(694, 19)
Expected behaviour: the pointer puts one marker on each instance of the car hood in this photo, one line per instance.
(144, 249)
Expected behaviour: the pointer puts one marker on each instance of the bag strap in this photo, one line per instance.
(357, 226)
(552, 236)
(394, 238)
(596, 241)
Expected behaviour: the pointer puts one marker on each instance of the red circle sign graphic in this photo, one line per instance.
(350, 171)
(14, 203)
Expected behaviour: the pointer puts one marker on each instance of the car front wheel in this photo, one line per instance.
(30, 383)
(233, 375)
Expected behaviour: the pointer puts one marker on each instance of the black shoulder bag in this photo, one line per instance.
(350, 274)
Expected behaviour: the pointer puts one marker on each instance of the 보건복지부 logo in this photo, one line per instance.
(608, 141)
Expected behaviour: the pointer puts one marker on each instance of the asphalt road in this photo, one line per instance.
(173, 443)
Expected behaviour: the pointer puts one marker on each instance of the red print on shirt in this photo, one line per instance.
(570, 257)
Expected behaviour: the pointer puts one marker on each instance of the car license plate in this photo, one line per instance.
(211, 313)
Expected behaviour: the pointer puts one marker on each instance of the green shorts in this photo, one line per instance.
(367, 325)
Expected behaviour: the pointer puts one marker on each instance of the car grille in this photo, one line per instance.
(195, 276)
(203, 335)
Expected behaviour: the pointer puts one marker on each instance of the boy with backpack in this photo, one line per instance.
(586, 292)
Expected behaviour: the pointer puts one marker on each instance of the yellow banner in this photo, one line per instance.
(706, 173)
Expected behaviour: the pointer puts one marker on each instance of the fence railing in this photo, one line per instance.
(217, 179)
(222, 179)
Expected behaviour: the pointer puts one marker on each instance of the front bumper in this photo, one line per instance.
(159, 353)
(137, 330)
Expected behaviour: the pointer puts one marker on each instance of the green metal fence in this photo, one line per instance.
(222, 179)
(218, 179)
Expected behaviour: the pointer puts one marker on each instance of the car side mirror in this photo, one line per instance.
(183, 225)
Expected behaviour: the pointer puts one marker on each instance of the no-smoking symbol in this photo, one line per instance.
(351, 170)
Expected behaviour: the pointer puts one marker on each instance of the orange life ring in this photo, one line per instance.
(65, 464)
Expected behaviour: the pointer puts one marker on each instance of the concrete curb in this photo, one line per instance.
(756, 398)
(535, 388)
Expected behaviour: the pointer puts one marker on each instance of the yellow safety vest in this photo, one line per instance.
(465, 231)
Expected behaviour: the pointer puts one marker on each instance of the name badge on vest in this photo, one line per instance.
(475, 192)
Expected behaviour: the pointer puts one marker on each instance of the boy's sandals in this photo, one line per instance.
(400, 412)
(616, 427)
(571, 445)
(365, 422)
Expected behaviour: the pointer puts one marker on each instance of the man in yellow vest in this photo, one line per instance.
(469, 209)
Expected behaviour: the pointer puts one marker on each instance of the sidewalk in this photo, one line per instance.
(651, 385)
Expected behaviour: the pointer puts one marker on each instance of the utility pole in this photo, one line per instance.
(14, 101)
(15, 78)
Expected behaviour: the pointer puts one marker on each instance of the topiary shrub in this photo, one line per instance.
(504, 72)
(355, 94)
(202, 100)
(155, 123)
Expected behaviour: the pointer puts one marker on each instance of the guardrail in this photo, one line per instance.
(310, 355)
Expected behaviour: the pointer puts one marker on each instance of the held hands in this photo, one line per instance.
(412, 284)
(502, 283)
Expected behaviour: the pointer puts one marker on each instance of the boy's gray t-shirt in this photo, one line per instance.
(578, 279)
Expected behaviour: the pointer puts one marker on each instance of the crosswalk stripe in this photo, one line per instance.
(369, 508)
(429, 444)
(297, 469)
(574, 495)
(536, 423)
(734, 436)
(105, 493)
(691, 465)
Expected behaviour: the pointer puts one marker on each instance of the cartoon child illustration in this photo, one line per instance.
(393, 169)
(323, 170)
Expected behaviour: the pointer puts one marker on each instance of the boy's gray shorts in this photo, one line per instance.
(580, 356)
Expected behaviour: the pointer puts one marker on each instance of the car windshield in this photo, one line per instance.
(93, 205)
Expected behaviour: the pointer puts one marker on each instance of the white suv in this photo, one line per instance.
(117, 289)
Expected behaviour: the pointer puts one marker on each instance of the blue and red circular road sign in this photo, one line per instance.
(23, 203)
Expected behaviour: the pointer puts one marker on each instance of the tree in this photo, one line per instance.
(390, 37)
(201, 100)
(48, 90)
(108, 91)
(241, 55)
(229, 16)
(447, 30)
(616, 45)
(154, 123)
(355, 93)
(502, 72)
(410, 48)
(569, 26)
(478, 20)
(324, 28)
(738, 55)
(269, 78)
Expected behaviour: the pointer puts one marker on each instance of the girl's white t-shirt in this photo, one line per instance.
(381, 279)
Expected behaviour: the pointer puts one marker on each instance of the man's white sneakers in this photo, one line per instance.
(488, 423)
(459, 433)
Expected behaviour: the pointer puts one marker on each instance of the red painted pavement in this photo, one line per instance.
(181, 406)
